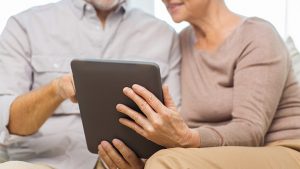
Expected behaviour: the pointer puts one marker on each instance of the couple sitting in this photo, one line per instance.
(239, 93)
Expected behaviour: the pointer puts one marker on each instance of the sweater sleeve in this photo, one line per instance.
(259, 80)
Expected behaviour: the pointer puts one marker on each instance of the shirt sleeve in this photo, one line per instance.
(15, 70)
(259, 80)
(5, 101)
(173, 78)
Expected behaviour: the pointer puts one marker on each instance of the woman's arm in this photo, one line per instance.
(259, 81)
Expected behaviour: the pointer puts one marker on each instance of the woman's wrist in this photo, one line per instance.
(195, 139)
(191, 140)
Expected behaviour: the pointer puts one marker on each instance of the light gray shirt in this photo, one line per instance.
(37, 47)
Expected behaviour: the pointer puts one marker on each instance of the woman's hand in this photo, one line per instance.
(161, 124)
(124, 159)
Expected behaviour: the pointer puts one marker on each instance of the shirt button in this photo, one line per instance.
(55, 65)
(89, 7)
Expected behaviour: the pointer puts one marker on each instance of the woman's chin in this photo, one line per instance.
(177, 19)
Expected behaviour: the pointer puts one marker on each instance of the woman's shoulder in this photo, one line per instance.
(256, 32)
(257, 28)
(258, 21)
(261, 36)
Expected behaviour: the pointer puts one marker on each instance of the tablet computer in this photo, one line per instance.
(99, 88)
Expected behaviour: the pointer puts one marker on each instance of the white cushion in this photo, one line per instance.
(295, 55)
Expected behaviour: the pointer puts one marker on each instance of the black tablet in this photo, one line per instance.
(99, 88)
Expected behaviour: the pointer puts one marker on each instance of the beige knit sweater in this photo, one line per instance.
(245, 93)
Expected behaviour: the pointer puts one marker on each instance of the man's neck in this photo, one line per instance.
(102, 15)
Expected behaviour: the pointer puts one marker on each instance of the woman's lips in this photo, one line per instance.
(174, 6)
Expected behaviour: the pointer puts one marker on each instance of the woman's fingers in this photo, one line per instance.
(140, 102)
(168, 98)
(140, 120)
(146, 95)
(133, 126)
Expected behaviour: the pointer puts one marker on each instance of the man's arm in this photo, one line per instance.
(28, 112)
(24, 111)
(15, 70)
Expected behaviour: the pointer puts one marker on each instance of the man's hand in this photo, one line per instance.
(124, 159)
(65, 87)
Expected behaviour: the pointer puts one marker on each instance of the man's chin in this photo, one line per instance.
(104, 6)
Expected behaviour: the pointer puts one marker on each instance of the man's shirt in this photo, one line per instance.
(38, 45)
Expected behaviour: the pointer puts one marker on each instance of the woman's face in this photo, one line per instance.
(186, 10)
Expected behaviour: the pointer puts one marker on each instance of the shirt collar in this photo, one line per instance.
(82, 7)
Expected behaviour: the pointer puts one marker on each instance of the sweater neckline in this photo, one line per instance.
(221, 46)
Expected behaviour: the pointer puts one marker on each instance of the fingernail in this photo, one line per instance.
(137, 87)
(118, 106)
(121, 120)
(116, 142)
(126, 89)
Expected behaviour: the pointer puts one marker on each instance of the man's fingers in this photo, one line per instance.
(114, 155)
(66, 87)
(126, 152)
(104, 156)
(74, 99)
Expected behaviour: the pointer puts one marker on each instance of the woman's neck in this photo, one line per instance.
(214, 26)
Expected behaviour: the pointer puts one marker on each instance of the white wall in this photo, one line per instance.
(146, 5)
(12, 7)
(293, 22)
(271, 10)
